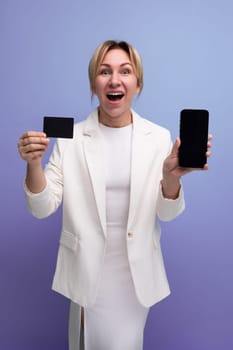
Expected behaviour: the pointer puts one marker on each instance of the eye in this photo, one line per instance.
(105, 72)
(125, 71)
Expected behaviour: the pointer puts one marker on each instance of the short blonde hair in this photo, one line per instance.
(102, 50)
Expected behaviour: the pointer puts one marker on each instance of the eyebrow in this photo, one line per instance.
(121, 65)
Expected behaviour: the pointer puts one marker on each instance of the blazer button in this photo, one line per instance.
(130, 234)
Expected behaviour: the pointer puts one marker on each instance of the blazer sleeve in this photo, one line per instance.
(46, 202)
(169, 209)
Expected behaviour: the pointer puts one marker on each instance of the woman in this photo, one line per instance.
(115, 176)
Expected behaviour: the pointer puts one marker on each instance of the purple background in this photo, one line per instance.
(187, 49)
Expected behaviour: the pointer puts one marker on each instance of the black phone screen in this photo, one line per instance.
(194, 136)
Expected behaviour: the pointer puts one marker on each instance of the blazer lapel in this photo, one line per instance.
(140, 164)
(95, 158)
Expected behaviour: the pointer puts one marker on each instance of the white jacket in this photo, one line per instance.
(74, 175)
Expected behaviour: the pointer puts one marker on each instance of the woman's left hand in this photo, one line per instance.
(172, 172)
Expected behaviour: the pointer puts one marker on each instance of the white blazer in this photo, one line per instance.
(75, 175)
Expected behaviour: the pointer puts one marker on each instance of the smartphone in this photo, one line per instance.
(61, 127)
(194, 125)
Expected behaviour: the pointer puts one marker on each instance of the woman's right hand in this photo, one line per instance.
(32, 146)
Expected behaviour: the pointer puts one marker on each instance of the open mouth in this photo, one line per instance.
(115, 96)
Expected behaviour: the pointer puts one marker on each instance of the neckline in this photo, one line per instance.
(102, 126)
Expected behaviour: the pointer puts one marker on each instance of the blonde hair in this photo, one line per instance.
(102, 50)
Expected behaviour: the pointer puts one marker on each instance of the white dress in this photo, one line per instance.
(116, 321)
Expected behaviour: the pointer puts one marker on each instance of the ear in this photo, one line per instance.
(139, 88)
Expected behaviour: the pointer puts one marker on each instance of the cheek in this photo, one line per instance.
(98, 87)
(135, 88)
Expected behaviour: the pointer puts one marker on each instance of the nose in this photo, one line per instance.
(114, 79)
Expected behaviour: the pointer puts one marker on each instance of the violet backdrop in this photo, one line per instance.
(187, 50)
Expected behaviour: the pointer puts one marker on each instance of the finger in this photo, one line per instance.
(33, 133)
(28, 146)
(29, 135)
(33, 147)
(31, 152)
(33, 140)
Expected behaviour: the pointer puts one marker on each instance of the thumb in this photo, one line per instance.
(175, 147)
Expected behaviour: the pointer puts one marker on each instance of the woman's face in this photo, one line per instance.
(115, 86)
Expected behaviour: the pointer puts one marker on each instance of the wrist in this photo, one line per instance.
(170, 187)
(35, 179)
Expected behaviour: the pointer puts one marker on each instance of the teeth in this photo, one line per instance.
(115, 96)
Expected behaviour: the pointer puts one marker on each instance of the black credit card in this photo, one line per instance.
(194, 137)
(60, 127)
